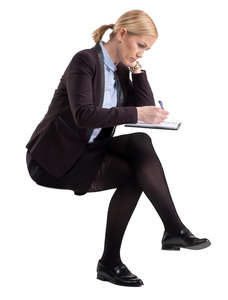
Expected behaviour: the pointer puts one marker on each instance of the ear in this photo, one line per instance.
(122, 32)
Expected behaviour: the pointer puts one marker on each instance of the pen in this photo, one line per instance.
(161, 104)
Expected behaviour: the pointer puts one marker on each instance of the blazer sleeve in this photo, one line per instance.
(139, 90)
(79, 88)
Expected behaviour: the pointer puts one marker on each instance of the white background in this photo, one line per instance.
(52, 239)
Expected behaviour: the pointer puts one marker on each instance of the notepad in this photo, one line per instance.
(168, 124)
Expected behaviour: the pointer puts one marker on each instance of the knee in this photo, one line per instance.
(140, 145)
(139, 138)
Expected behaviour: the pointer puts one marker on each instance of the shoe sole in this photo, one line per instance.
(105, 277)
(196, 247)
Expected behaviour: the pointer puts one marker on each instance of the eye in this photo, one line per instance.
(142, 46)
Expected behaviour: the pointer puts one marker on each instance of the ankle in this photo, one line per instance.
(110, 262)
(174, 230)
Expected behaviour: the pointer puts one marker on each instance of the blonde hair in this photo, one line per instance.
(136, 22)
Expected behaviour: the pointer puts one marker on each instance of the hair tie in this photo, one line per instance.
(111, 25)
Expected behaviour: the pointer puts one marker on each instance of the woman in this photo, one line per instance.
(74, 147)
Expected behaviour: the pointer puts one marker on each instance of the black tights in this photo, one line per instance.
(133, 160)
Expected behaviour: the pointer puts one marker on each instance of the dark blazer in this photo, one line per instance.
(76, 109)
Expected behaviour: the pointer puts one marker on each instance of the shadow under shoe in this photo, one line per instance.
(118, 274)
(184, 239)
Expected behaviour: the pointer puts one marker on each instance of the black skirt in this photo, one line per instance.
(80, 176)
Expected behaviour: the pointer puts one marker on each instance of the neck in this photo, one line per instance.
(112, 51)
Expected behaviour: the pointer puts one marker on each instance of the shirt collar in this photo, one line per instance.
(107, 59)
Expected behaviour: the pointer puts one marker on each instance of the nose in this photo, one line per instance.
(139, 55)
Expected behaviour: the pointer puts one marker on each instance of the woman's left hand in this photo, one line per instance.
(139, 68)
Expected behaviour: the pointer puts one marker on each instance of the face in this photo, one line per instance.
(132, 47)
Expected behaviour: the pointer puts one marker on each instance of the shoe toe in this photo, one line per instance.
(140, 282)
(185, 239)
(131, 281)
(201, 243)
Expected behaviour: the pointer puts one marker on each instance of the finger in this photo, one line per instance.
(165, 113)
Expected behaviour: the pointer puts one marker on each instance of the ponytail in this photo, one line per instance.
(99, 32)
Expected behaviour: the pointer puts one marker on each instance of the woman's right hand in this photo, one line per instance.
(151, 114)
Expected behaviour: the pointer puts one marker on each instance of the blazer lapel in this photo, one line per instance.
(120, 95)
(108, 131)
(98, 49)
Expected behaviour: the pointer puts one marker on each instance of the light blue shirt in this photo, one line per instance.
(110, 92)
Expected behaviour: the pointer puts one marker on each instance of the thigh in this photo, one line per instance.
(114, 172)
(117, 166)
(130, 146)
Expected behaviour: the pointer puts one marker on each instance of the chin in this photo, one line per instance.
(126, 62)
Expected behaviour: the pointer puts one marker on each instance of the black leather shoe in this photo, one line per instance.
(118, 274)
(185, 239)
